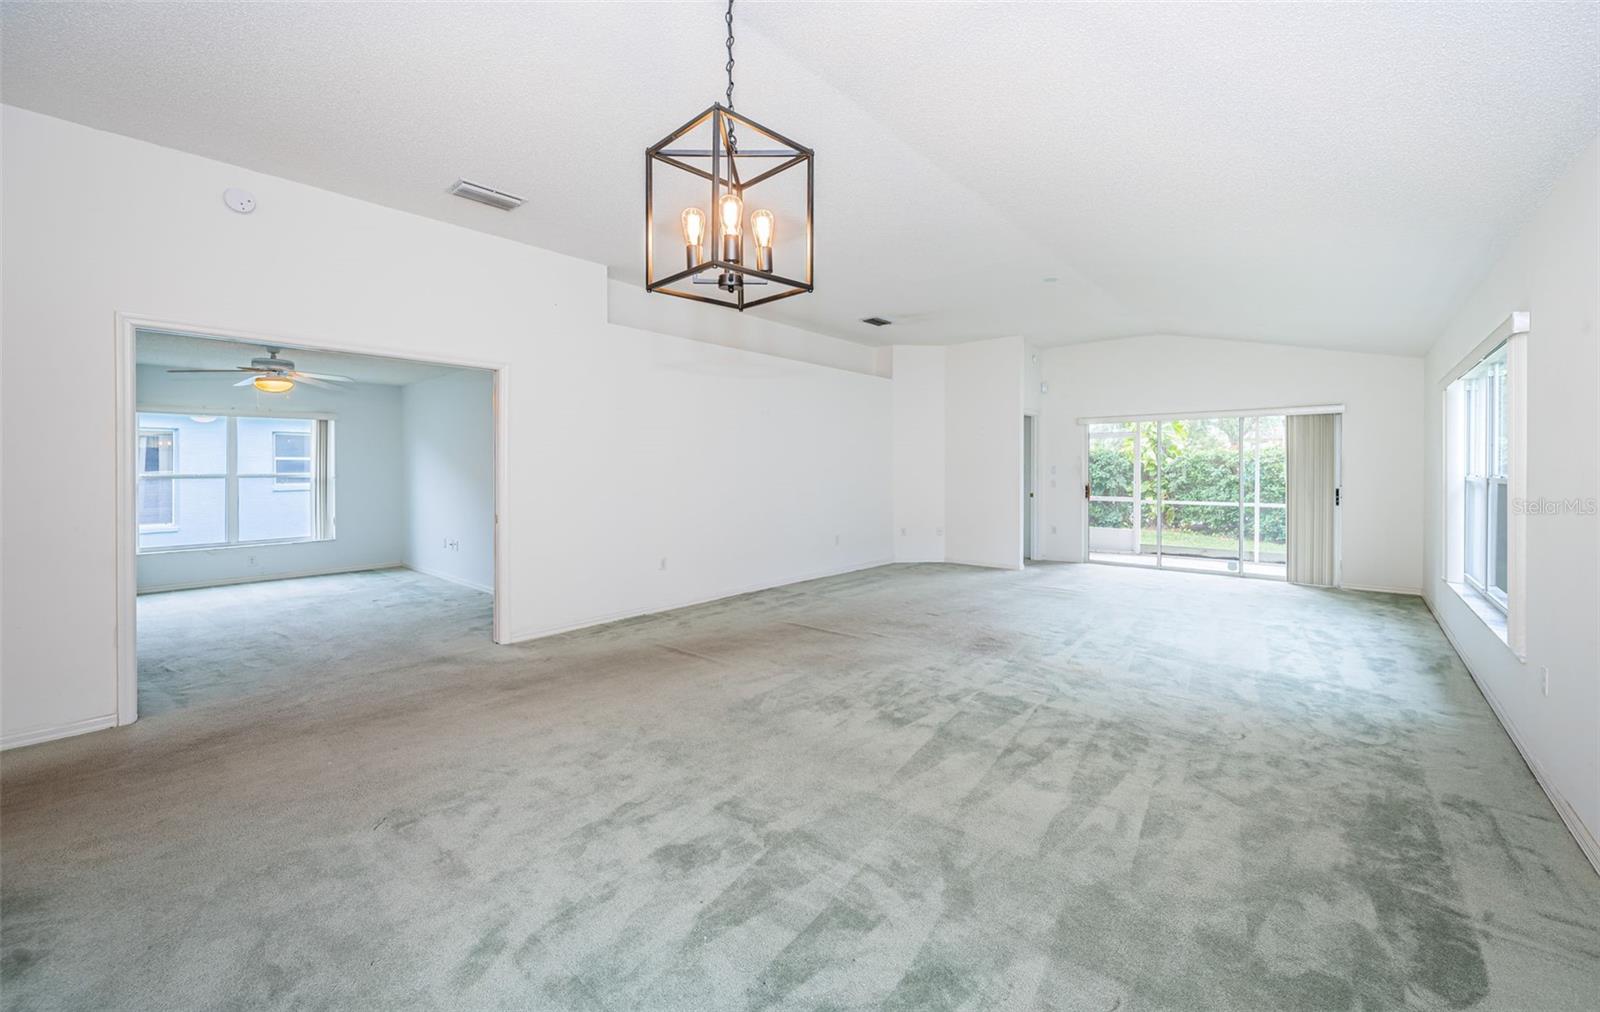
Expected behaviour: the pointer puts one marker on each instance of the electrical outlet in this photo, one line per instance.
(938, 532)
(250, 560)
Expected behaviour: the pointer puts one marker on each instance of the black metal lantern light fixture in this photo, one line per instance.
(752, 243)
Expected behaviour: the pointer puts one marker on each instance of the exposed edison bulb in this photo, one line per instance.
(273, 384)
(731, 209)
(761, 223)
(694, 226)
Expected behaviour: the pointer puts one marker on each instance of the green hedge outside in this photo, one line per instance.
(1205, 473)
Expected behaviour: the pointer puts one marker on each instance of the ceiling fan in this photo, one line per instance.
(274, 375)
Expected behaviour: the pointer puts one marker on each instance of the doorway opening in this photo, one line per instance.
(290, 516)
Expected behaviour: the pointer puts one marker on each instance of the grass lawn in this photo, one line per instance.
(1198, 539)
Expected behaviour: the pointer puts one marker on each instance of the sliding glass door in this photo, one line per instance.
(1198, 494)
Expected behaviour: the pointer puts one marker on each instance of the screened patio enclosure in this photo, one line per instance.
(1198, 494)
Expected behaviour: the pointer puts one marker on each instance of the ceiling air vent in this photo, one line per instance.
(484, 195)
(877, 321)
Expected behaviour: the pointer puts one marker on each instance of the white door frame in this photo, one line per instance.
(127, 328)
(1030, 486)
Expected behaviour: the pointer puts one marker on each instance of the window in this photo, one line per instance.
(237, 480)
(1484, 446)
(157, 451)
(291, 459)
(1485, 488)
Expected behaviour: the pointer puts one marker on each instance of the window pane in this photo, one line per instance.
(155, 502)
(1111, 527)
(1265, 494)
(1497, 535)
(1200, 490)
(269, 511)
(292, 444)
(1111, 459)
(1193, 533)
(1472, 531)
(1265, 452)
(195, 512)
(1266, 541)
(1502, 427)
(258, 441)
(183, 444)
(155, 450)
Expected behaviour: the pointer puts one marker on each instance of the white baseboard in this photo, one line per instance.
(43, 734)
(1408, 591)
(446, 577)
(1569, 815)
(521, 636)
(162, 588)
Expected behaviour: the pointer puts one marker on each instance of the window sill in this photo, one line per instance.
(1490, 615)
(230, 547)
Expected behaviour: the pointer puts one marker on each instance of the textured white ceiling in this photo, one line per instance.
(184, 351)
(1332, 175)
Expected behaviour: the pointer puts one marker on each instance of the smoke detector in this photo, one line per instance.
(486, 195)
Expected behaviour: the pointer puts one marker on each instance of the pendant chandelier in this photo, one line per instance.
(759, 212)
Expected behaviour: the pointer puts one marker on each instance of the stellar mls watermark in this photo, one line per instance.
(1543, 507)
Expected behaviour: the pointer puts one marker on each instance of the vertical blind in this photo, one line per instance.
(1311, 462)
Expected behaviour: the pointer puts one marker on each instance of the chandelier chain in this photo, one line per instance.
(728, 17)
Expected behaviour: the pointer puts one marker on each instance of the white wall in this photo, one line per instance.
(370, 531)
(1382, 498)
(1549, 271)
(623, 447)
(631, 306)
(919, 453)
(983, 452)
(448, 437)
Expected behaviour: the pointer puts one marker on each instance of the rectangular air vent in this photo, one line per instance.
(877, 321)
(484, 195)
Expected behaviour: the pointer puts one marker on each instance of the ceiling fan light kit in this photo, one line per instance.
(273, 384)
(784, 170)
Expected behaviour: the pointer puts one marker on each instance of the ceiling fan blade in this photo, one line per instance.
(300, 377)
(229, 371)
(247, 381)
(325, 376)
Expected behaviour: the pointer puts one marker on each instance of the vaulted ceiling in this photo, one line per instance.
(1328, 175)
